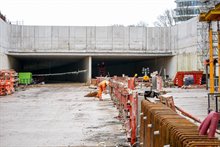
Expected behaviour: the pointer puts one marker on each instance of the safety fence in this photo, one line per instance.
(160, 124)
(125, 99)
(8, 82)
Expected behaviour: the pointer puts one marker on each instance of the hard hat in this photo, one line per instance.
(135, 75)
(145, 78)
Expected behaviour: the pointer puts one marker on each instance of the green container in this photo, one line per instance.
(25, 78)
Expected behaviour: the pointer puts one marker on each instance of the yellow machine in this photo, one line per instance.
(146, 78)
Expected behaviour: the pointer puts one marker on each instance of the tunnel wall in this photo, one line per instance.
(86, 65)
(89, 39)
(184, 45)
(167, 63)
(186, 40)
(4, 43)
(179, 41)
(108, 39)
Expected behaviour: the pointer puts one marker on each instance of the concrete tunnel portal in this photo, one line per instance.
(114, 65)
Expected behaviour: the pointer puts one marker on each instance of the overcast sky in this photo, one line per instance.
(84, 12)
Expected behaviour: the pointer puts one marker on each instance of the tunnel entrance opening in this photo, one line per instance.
(114, 67)
(129, 66)
(53, 69)
(109, 66)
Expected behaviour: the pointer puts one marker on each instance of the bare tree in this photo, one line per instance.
(118, 25)
(139, 24)
(166, 19)
(142, 24)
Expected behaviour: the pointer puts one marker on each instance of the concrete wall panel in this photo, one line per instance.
(187, 62)
(118, 38)
(81, 39)
(187, 34)
(103, 38)
(137, 38)
(4, 64)
(127, 39)
(15, 37)
(158, 39)
(42, 39)
(63, 40)
(54, 38)
(181, 40)
(4, 44)
(91, 38)
(28, 39)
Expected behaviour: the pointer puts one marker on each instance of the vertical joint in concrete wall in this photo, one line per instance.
(89, 76)
(87, 65)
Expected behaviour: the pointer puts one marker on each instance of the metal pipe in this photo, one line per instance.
(218, 56)
(211, 61)
(209, 103)
(207, 76)
(188, 114)
(216, 103)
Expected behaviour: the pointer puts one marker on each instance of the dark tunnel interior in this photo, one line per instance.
(101, 66)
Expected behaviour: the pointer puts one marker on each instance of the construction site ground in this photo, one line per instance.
(60, 115)
(193, 101)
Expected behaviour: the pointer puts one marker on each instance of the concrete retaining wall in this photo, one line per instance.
(4, 43)
(179, 41)
(86, 65)
(89, 39)
(185, 40)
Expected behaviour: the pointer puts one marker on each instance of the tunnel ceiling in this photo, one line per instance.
(111, 58)
(72, 57)
(46, 58)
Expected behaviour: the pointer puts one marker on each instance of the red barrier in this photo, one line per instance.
(197, 76)
(125, 100)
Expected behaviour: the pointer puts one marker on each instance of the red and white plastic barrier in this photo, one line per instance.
(125, 99)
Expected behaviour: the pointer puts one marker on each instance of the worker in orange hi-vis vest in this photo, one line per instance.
(102, 87)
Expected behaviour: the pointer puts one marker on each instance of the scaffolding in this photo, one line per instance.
(202, 35)
(212, 18)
